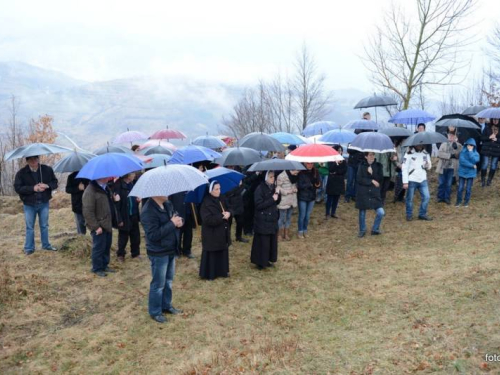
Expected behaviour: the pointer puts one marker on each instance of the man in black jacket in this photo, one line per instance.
(76, 187)
(183, 209)
(34, 184)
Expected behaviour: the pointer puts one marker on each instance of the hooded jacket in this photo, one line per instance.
(162, 237)
(468, 160)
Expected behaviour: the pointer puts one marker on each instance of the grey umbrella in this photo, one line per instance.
(277, 165)
(114, 148)
(375, 101)
(35, 149)
(238, 156)
(474, 110)
(425, 138)
(72, 162)
(209, 142)
(372, 142)
(396, 131)
(457, 123)
(262, 142)
(157, 150)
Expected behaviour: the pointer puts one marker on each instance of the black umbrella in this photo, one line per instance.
(72, 162)
(277, 165)
(424, 138)
(473, 110)
(238, 156)
(375, 101)
(262, 142)
(467, 127)
(157, 150)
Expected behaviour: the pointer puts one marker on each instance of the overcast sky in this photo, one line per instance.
(229, 41)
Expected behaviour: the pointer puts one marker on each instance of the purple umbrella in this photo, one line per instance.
(130, 136)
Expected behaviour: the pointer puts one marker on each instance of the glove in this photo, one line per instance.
(455, 146)
(453, 156)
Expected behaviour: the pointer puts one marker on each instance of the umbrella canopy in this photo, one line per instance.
(287, 138)
(168, 180)
(209, 142)
(337, 136)
(375, 101)
(130, 136)
(424, 138)
(156, 150)
(168, 134)
(315, 139)
(305, 139)
(319, 127)
(372, 142)
(227, 178)
(72, 162)
(113, 149)
(467, 126)
(492, 112)
(361, 125)
(110, 165)
(35, 149)
(412, 117)
(473, 110)
(238, 156)
(262, 142)
(314, 153)
(157, 160)
(396, 132)
(277, 165)
(192, 154)
(154, 143)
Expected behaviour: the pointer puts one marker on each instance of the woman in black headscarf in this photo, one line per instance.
(215, 239)
(266, 216)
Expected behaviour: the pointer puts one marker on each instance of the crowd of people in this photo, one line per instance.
(261, 206)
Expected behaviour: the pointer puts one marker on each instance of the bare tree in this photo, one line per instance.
(408, 57)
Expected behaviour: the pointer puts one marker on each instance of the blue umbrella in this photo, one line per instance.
(337, 136)
(228, 179)
(287, 138)
(209, 142)
(110, 165)
(192, 154)
(492, 112)
(362, 125)
(372, 142)
(158, 160)
(412, 117)
(320, 127)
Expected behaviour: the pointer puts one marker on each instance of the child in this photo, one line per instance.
(467, 171)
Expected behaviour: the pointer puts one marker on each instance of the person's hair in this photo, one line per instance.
(338, 148)
(134, 147)
(366, 153)
(421, 124)
(366, 114)
(452, 132)
(32, 157)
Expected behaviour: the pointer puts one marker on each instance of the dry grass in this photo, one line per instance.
(421, 298)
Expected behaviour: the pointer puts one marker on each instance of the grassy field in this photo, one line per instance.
(421, 298)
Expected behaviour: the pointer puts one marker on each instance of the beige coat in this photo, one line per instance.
(288, 192)
(444, 157)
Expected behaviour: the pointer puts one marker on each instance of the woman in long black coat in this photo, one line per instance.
(266, 216)
(335, 185)
(214, 235)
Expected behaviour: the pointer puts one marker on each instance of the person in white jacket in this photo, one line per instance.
(416, 163)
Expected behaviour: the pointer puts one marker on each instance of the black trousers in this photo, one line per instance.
(186, 235)
(240, 222)
(248, 220)
(135, 238)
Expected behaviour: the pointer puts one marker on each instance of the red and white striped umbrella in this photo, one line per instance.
(314, 153)
(168, 134)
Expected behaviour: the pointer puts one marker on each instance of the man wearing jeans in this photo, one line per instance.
(34, 184)
(416, 163)
(447, 167)
(161, 226)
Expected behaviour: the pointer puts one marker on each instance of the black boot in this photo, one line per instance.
(490, 177)
(483, 177)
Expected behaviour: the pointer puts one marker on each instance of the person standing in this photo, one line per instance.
(265, 240)
(369, 179)
(235, 205)
(100, 216)
(355, 158)
(76, 187)
(323, 174)
(399, 192)
(416, 163)
(128, 217)
(286, 183)
(215, 238)
(467, 171)
(388, 160)
(184, 210)
(161, 228)
(335, 186)
(447, 167)
(490, 151)
(307, 184)
(34, 183)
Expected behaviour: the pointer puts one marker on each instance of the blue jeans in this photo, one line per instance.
(320, 193)
(486, 162)
(285, 218)
(30, 212)
(445, 181)
(305, 209)
(101, 245)
(332, 202)
(160, 288)
(423, 189)
(380, 213)
(468, 190)
(351, 182)
(80, 224)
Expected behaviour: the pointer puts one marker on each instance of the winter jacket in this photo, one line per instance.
(214, 230)
(98, 208)
(126, 206)
(367, 194)
(388, 166)
(307, 184)
(468, 160)
(234, 200)
(355, 158)
(335, 184)
(322, 169)
(266, 213)
(162, 237)
(489, 147)
(288, 191)
(448, 157)
(413, 166)
(25, 182)
(76, 194)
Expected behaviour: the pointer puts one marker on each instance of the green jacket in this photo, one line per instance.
(322, 169)
(388, 166)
